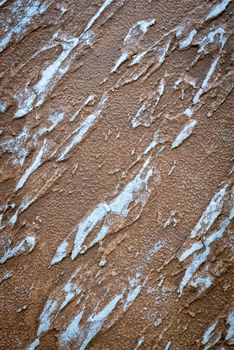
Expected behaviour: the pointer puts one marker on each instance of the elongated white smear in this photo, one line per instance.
(46, 316)
(34, 345)
(191, 250)
(79, 133)
(97, 320)
(60, 254)
(87, 101)
(17, 146)
(25, 246)
(187, 41)
(54, 119)
(218, 9)
(230, 332)
(208, 333)
(211, 213)
(133, 37)
(168, 345)
(199, 259)
(184, 133)
(139, 343)
(33, 167)
(134, 192)
(99, 12)
(205, 84)
(72, 332)
(147, 109)
(26, 12)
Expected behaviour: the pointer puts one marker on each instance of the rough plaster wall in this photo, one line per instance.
(116, 174)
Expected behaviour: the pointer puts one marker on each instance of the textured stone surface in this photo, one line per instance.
(116, 175)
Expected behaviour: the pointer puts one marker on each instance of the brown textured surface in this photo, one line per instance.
(127, 175)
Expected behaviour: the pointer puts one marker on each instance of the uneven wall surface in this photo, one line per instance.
(116, 175)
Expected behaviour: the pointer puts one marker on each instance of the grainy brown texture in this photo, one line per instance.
(116, 175)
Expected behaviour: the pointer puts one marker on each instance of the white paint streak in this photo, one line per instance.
(60, 254)
(46, 315)
(205, 84)
(133, 37)
(25, 246)
(135, 192)
(230, 332)
(81, 131)
(211, 213)
(187, 41)
(208, 333)
(54, 119)
(25, 13)
(17, 146)
(184, 133)
(218, 9)
(33, 167)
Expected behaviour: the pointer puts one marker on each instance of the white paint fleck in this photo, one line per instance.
(72, 332)
(187, 41)
(230, 332)
(3, 107)
(34, 345)
(147, 109)
(97, 320)
(139, 343)
(205, 84)
(5, 276)
(17, 147)
(45, 317)
(87, 101)
(191, 250)
(184, 134)
(199, 259)
(168, 345)
(99, 12)
(134, 192)
(211, 37)
(208, 333)
(54, 119)
(60, 254)
(218, 9)
(33, 167)
(81, 131)
(133, 37)
(211, 213)
(205, 282)
(25, 246)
